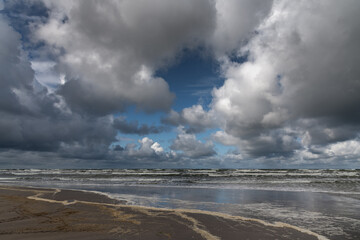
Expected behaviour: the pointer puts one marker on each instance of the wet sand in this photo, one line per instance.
(33, 213)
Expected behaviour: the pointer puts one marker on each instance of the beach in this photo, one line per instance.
(326, 202)
(39, 213)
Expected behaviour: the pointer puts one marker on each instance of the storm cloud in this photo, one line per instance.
(31, 117)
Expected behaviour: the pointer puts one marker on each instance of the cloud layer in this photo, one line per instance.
(290, 69)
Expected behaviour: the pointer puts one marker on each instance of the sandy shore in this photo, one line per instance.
(30, 213)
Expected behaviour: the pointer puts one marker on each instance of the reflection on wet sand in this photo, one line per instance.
(58, 214)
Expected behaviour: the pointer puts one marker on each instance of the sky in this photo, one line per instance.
(179, 84)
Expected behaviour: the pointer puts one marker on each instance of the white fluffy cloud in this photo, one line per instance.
(300, 82)
(195, 117)
(147, 148)
(190, 146)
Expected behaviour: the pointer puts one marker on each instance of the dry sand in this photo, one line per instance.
(31, 213)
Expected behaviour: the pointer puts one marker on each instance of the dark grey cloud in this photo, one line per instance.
(133, 127)
(85, 98)
(16, 73)
(54, 134)
(33, 119)
(327, 131)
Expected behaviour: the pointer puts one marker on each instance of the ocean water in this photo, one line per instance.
(324, 201)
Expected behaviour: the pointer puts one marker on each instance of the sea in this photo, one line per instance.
(325, 201)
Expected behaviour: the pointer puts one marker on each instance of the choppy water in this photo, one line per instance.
(324, 201)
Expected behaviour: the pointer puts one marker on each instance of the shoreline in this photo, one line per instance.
(93, 215)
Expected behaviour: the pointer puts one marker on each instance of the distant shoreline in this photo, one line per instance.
(44, 213)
